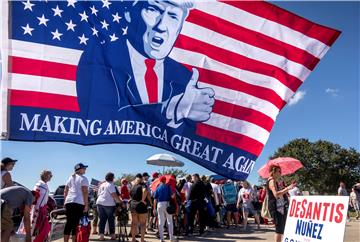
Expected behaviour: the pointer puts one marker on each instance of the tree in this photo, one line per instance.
(175, 171)
(325, 165)
(128, 176)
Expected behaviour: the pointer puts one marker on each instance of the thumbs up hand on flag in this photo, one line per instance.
(196, 103)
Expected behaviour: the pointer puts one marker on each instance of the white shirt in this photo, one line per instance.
(217, 192)
(74, 183)
(43, 189)
(139, 68)
(247, 196)
(104, 194)
(186, 189)
(2, 181)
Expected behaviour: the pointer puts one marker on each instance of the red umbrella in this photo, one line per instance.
(288, 166)
(170, 180)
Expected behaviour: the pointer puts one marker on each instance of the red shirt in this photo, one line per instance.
(262, 194)
(124, 192)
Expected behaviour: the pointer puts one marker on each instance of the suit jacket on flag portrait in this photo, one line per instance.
(106, 82)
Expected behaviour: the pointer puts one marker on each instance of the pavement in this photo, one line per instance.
(233, 234)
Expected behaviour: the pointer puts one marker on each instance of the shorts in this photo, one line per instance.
(279, 220)
(249, 210)
(355, 205)
(231, 208)
(6, 218)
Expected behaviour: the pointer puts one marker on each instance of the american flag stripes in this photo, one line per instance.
(254, 55)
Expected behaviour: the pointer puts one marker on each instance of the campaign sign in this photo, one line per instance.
(316, 218)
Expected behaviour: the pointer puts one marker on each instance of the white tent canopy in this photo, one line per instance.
(164, 160)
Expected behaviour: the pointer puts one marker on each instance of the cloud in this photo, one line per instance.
(332, 92)
(296, 98)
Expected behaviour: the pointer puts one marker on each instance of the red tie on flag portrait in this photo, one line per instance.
(203, 79)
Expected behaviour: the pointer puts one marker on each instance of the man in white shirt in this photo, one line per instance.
(138, 71)
(187, 186)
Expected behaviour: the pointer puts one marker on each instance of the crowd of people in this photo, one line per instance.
(170, 206)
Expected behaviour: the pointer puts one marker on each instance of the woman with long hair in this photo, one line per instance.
(138, 207)
(277, 201)
(76, 200)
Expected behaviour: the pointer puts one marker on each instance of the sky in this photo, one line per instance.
(325, 107)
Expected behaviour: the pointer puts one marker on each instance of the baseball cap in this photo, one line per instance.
(79, 166)
(7, 160)
(155, 175)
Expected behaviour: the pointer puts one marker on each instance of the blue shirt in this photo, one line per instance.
(229, 193)
(163, 193)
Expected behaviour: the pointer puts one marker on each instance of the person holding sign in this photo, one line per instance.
(277, 201)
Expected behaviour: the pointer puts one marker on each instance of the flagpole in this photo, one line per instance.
(4, 78)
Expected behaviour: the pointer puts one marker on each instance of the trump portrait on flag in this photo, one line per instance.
(137, 74)
(203, 79)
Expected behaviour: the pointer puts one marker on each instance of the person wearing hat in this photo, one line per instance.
(146, 177)
(7, 164)
(76, 200)
(163, 194)
(155, 175)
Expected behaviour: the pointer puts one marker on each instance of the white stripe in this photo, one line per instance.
(244, 100)
(202, 61)
(238, 126)
(42, 84)
(45, 52)
(246, 50)
(264, 26)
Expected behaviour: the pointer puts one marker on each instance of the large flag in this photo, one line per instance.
(202, 79)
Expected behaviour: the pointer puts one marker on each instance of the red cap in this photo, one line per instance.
(155, 175)
(162, 179)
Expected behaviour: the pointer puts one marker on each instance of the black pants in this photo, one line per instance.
(279, 220)
(197, 206)
(74, 212)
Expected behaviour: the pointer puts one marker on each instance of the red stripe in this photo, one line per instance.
(238, 61)
(254, 38)
(274, 13)
(242, 113)
(33, 67)
(43, 100)
(234, 139)
(212, 77)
